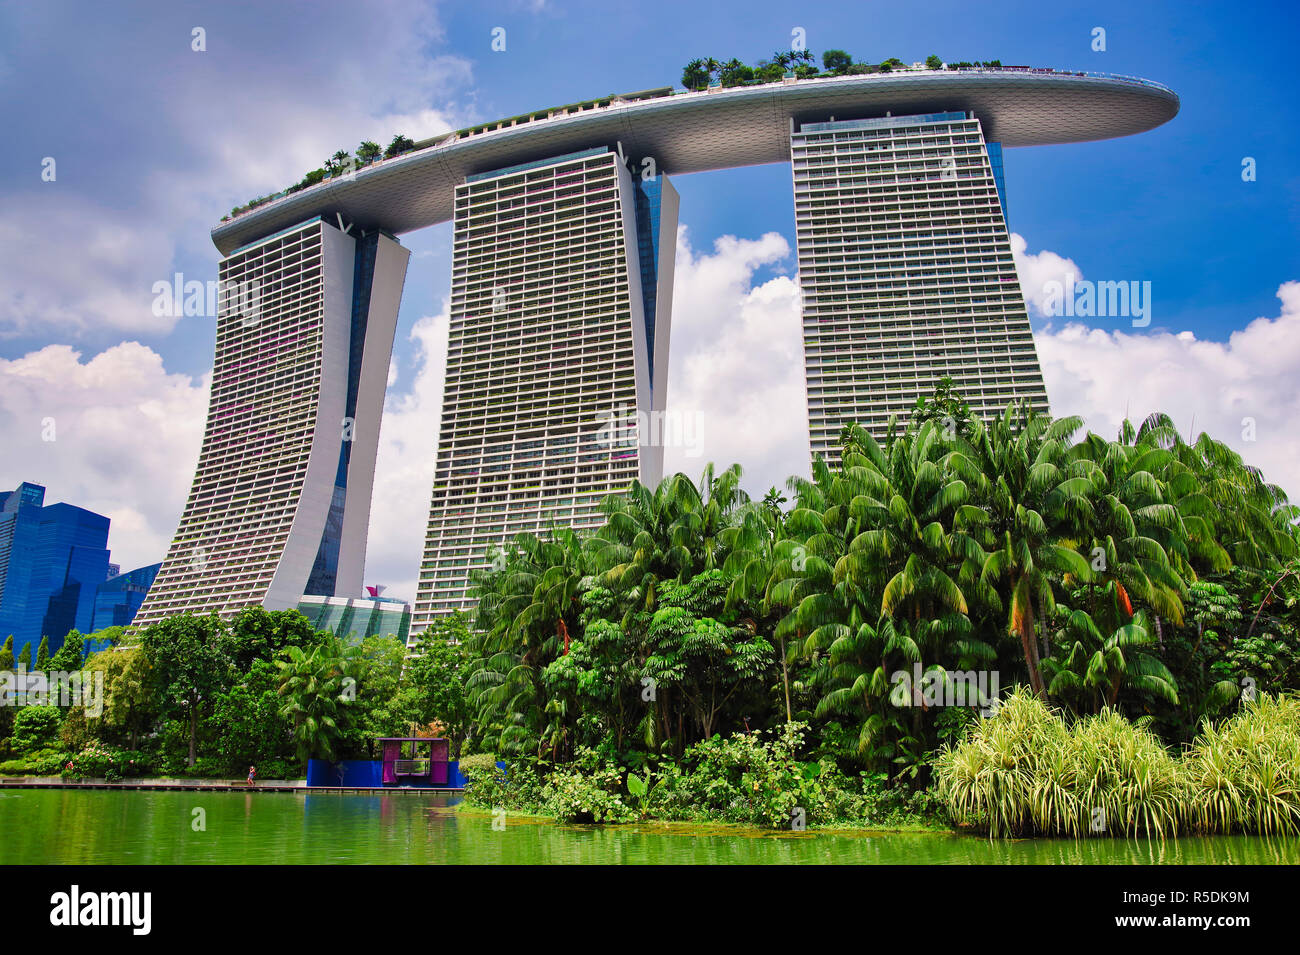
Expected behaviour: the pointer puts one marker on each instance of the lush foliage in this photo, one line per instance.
(704, 655)
(201, 696)
(886, 604)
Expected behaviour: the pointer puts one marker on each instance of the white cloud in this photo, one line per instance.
(128, 432)
(1216, 387)
(115, 263)
(737, 359)
(224, 126)
(126, 438)
(408, 439)
(1036, 270)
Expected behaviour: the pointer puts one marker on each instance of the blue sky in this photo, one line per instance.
(154, 142)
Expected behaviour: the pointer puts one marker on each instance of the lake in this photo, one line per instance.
(138, 827)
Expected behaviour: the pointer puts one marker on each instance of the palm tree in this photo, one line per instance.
(317, 686)
(368, 152)
(893, 554)
(670, 533)
(1032, 509)
(526, 610)
(694, 75)
(774, 503)
(1126, 522)
(1233, 515)
(1094, 668)
(758, 559)
(342, 161)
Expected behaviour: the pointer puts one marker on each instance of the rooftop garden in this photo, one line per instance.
(339, 164)
(801, 64)
(699, 74)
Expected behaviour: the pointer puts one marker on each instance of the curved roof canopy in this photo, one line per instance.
(715, 129)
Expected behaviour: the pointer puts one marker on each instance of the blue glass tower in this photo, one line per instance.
(52, 560)
(118, 598)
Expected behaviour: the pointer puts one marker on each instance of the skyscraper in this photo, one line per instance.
(561, 292)
(280, 502)
(119, 597)
(906, 269)
(52, 560)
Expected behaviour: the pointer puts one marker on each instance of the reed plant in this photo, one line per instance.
(1026, 771)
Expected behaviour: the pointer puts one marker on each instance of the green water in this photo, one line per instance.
(104, 826)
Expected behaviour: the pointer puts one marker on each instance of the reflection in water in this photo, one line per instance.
(154, 827)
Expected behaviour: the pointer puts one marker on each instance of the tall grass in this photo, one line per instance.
(1244, 774)
(1026, 772)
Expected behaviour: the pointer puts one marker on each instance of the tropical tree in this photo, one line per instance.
(646, 538)
(734, 73)
(890, 550)
(1092, 665)
(340, 162)
(1126, 524)
(130, 705)
(1018, 462)
(399, 145)
(189, 658)
(695, 76)
(318, 687)
(433, 682)
(368, 152)
(837, 61)
(69, 656)
(527, 607)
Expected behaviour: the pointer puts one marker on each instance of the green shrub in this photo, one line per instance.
(35, 727)
(757, 778)
(574, 795)
(42, 762)
(487, 787)
(94, 761)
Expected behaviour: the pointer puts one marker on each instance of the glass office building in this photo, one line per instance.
(118, 598)
(52, 560)
(354, 619)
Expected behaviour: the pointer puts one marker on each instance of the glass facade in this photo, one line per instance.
(118, 598)
(553, 263)
(354, 619)
(293, 425)
(53, 559)
(649, 204)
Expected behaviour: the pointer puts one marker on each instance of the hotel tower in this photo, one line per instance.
(564, 228)
(561, 293)
(906, 270)
(280, 502)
